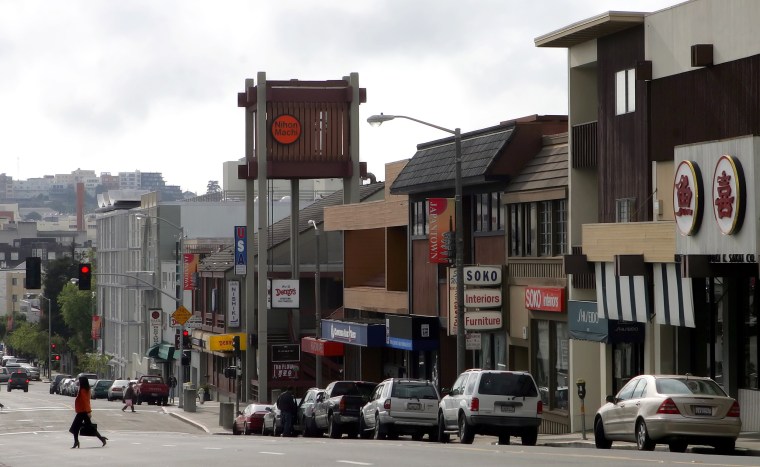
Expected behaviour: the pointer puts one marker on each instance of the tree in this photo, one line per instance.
(213, 187)
(76, 309)
(34, 216)
(27, 340)
(58, 273)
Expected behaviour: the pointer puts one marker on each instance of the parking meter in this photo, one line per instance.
(581, 388)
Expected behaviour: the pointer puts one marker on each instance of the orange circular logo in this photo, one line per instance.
(286, 129)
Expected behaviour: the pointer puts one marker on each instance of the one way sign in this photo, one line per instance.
(241, 246)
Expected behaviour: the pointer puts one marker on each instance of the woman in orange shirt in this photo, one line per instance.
(82, 418)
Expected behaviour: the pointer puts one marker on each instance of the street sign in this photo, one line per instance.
(241, 247)
(286, 353)
(181, 315)
(194, 322)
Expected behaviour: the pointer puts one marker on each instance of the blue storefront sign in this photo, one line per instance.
(361, 334)
(412, 332)
(584, 323)
(241, 250)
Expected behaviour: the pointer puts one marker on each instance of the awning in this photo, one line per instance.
(166, 352)
(408, 332)
(321, 347)
(361, 334)
(673, 297)
(153, 351)
(620, 297)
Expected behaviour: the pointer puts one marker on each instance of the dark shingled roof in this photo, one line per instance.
(279, 232)
(432, 166)
(548, 169)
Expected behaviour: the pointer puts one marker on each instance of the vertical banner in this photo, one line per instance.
(452, 276)
(441, 234)
(155, 326)
(96, 327)
(241, 247)
(233, 303)
(191, 267)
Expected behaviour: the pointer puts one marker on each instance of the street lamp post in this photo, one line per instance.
(179, 276)
(50, 337)
(317, 305)
(377, 120)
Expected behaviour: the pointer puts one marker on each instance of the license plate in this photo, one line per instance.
(154, 394)
(413, 406)
(701, 410)
(508, 408)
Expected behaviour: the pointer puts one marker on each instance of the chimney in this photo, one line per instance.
(80, 207)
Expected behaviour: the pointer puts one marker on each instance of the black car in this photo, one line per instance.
(19, 380)
(55, 383)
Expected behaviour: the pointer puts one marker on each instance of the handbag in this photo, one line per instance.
(89, 430)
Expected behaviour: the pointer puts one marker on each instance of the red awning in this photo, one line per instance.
(321, 347)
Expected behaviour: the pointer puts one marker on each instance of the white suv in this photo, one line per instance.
(401, 406)
(491, 402)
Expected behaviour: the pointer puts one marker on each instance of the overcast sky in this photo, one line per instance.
(152, 85)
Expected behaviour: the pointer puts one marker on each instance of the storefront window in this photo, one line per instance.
(749, 344)
(551, 363)
(627, 362)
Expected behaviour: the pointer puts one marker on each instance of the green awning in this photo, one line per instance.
(166, 352)
(153, 351)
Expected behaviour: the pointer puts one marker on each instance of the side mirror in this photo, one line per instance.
(446, 391)
(320, 398)
(240, 413)
(269, 409)
(610, 399)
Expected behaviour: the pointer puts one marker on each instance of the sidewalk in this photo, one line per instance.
(206, 418)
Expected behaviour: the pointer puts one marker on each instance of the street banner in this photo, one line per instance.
(233, 303)
(191, 267)
(441, 229)
(241, 248)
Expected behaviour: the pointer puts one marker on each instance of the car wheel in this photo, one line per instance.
(643, 441)
(26, 389)
(364, 433)
(9, 389)
(443, 437)
(600, 439)
(678, 446)
(246, 431)
(379, 432)
(504, 438)
(726, 447)
(529, 437)
(466, 433)
(234, 429)
(316, 432)
(333, 431)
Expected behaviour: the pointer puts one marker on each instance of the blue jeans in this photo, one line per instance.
(287, 424)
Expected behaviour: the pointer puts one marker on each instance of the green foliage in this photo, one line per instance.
(94, 363)
(27, 340)
(76, 309)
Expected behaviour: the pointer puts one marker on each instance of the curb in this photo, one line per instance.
(738, 451)
(186, 420)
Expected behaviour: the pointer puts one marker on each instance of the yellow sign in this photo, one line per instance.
(181, 315)
(223, 342)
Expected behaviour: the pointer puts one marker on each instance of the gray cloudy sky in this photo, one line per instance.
(152, 85)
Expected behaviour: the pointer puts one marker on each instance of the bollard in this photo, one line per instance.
(226, 414)
(190, 395)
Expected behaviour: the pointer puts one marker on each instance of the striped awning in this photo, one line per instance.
(673, 297)
(620, 297)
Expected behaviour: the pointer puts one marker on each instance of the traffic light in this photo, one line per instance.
(176, 339)
(33, 278)
(85, 276)
(56, 358)
(52, 347)
(186, 343)
(236, 343)
(185, 358)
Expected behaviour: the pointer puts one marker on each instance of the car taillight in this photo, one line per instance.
(734, 410)
(475, 404)
(342, 405)
(539, 407)
(387, 404)
(668, 407)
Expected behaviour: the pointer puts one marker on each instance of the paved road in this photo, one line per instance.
(33, 432)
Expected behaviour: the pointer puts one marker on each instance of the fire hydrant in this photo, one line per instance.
(201, 394)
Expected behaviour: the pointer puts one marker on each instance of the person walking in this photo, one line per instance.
(172, 388)
(129, 397)
(83, 414)
(287, 405)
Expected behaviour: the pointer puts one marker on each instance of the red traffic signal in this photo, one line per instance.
(85, 276)
(56, 357)
(52, 346)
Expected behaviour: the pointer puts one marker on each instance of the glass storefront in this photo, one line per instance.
(551, 362)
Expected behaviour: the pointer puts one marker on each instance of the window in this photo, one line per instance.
(551, 362)
(625, 91)
(624, 209)
(488, 212)
(419, 218)
(14, 281)
(538, 229)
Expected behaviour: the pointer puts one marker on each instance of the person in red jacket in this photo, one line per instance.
(83, 410)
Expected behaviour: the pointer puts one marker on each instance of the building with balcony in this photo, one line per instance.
(663, 110)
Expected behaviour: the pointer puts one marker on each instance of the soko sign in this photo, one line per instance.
(545, 299)
(482, 275)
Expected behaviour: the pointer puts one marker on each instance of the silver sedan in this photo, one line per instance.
(669, 409)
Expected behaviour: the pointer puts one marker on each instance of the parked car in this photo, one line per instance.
(64, 386)
(152, 389)
(117, 389)
(491, 402)
(337, 410)
(305, 416)
(19, 379)
(401, 406)
(34, 372)
(4, 375)
(250, 420)
(100, 389)
(669, 409)
(271, 424)
(55, 383)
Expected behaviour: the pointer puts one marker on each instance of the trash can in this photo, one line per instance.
(189, 400)
(226, 414)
